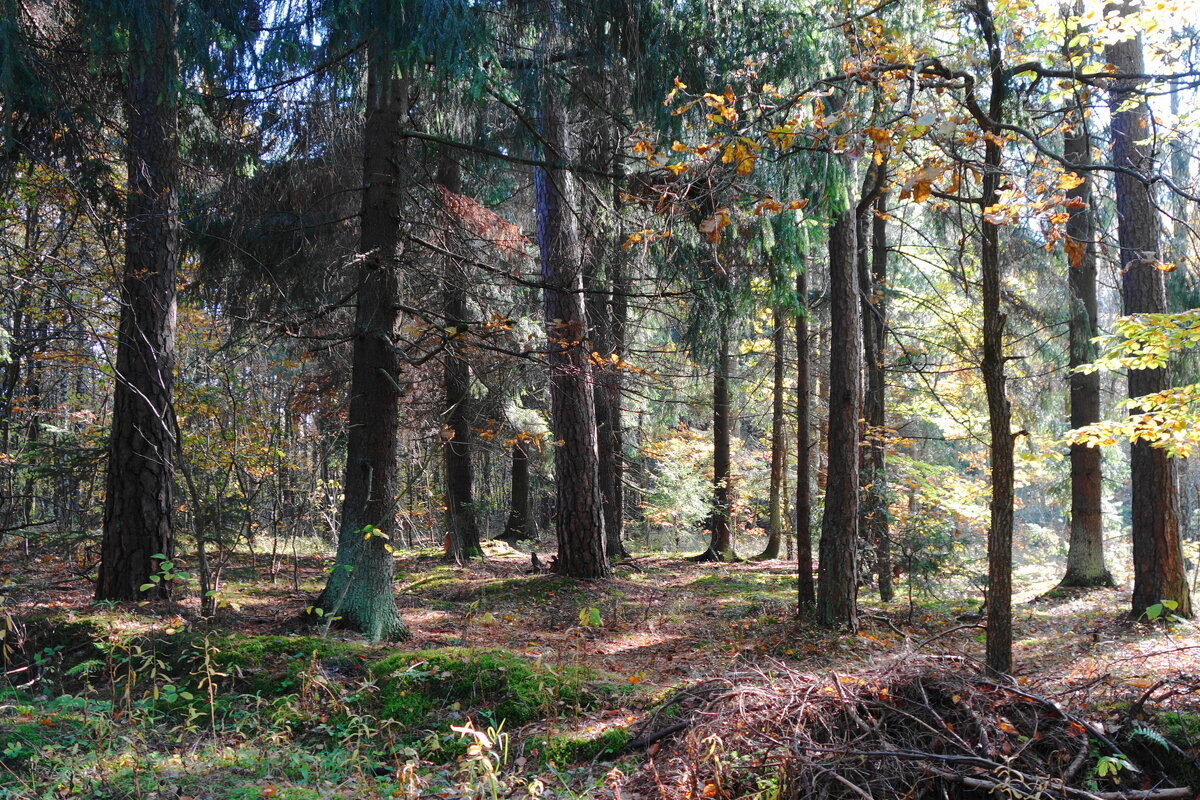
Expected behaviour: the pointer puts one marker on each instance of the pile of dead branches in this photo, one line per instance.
(922, 728)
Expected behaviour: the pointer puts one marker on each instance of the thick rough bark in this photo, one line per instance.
(517, 527)
(1085, 553)
(456, 374)
(1000, 530)
(806, 592)
(580, 523)
(359, 590)
(141, 452)
(1158, 568)
(837, 578)
(778, 449)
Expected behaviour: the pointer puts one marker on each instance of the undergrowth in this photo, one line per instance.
(171, 712)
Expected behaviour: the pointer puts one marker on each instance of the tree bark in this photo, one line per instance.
(358, 593)
(1085, 553)
(580, 522)
(1000, 529)
(837, 578)
(456, 373)
(1158, 568)
(139, 499)
(778, 448)
(720, 544)
(806, 592)
(875, 498)
(517, 527)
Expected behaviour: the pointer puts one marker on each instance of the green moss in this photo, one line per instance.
(571, 750)
(498, 682)
(1182, 728)
(271, 665)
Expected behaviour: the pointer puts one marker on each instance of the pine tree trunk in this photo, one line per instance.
(456, 374)
(778, 449)
(141, 451)
(580, 517)
(358, 593)
(1158, 568)
(806, 592)
(1085, 553)
(837, 576)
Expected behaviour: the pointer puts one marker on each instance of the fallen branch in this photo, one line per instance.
(651, 738)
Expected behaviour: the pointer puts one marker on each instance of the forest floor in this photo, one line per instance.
(153, 702)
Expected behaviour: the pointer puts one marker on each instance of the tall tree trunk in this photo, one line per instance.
(873, 512)
(875, 401)
(517, 527)
(456, 371)
(1000, 530)
(720, 543)
(358, 592)
(614, 493)
(1085, 554)
(806, 592)
(601, 311)
(837, 578)
(1158, 568)
(778, 448)
(580, 523)
(141, 451)
(607, 305)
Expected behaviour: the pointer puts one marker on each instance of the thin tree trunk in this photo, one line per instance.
(720, 545)
(139, 499)
(804, 582)
(456, 449)
(778, 449)
(837, 578)
(1000, 530)
(1085, 553)
(875, 403)
(1158, 568)
(358, 594)
(580, 517)
(517, 527)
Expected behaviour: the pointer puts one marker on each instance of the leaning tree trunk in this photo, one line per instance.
(837, 578)
(1085, 553)
(778, 449)
(141, 450)
(456, 374)
(1158, 568)
(806, 592)
(358, 593)
(580, 523)
(1000, 530)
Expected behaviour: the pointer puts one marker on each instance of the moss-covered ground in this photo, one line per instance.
(514, 684)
